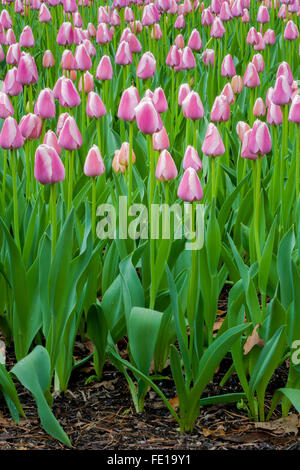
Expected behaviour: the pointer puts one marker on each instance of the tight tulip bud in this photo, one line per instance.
(27, 73)
(228, 67)
(282, 93)
(251, 77)
(184, 90)
(70, 137)
(95, 107)
(192, 106)
(147, 66)
(213, 145)
(220, 111)
(274, 115)
(48, 59)
(51, 140)
(48, 167)
(124, 154)
(10, 136)
(191, 159)
(27, 38)
(159, 100)
(104, 70)
(147, 118)
(165, 169)
(237, 84)
(259, 108)
(189, 188)
(69, 96)
(10, 85)
(160, 140)
(294, 113)
(241, 129)
(31, 126)
(6, 108)
(94, 165)
(129, 101)
(260, 139)
(45, 104)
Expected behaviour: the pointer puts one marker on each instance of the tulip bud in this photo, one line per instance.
(160, 140)
(70, 137)
(51, 140)
(146, 66)
(259, 139)
(192, 106)
(251, 77)
(213, 145)
(294, 113)
(6, 108)
(45, 104)
(129, 100)
(191, 159)
(95, 107)
(48, 59)
(10, 136)
(94, 165)
(69, 96)
(220, 111)
(31, 126)
(124, 154)
(48, 167)
(165, 169)
(190, 189)
(147, 118)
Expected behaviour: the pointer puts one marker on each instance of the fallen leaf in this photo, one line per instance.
(108, 384)
(214, 432)
(217, 325)
(174, 402)
(253, 340)
(288, 425)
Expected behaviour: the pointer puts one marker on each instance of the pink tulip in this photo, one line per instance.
(241, 129)
(165, 169)
(104, 70)
(94, 106)
(82, 59)
(259, 108)
(263, 15)
(70, 137)
(160, 140)
(184, 90)
(259, 139)
(124, 154)
(27, 73)
(192, 106)
(67, 60)
(102, 34)
(228, 67)
(269, 37)
(294, 113)
(188, 59)
(51, 140)
(31, 126)
(48, 167)
(180, 22)
(147, 66)
(284, 69)
(5, 19)
(65, 35)
(282, 93)
(217, 29)
(213, 145)
(220, 111)
(209, 57)
(251, 77)
(129, 101)
(159, 100)
(10, 85)
(190, 189)
(191, 159)
(45, 104)
(48, 59)
(274, 115)
(123, 54)
(13, 54)
(207, 18)
(237, 9)
(173, 57)
(69, 96)
(27, 38)
(60, 122)
(245, 151)
(94, 165)
(134, 44)
(228, 93)
(147, 118)
(252, 37)
(6, 108)
(195, 42)
(291, 31)
(10, 135)
(44, 14)
(258, 62)
(225, 12)
(88, 81)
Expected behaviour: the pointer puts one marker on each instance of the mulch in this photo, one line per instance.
(101, 415)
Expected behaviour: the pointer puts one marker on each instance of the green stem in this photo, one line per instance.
(297, 161)
(213, 179)
(53, 218)
(130, 164)
(94, 208)
(27, 170)
(257, 168)
(151, 197)
(4, 178)
(15, 198)
(70, 189)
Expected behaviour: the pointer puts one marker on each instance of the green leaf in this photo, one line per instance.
(33, 371)
(97, 332)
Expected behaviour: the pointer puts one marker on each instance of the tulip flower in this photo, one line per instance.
(159, 100)
(10, 139)
(45, 104)
(51, 140)
(27, 38)
(259, 108)
(165, 169)
(191, 159)
(68, 96)
(6, 108)
(220, 111)
(49, 169)
(147, 66)
(213, 146)
(190, 189)
(160, 140)
(104, 70)
(228, 67)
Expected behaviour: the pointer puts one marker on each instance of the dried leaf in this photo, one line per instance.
(288, 425)
(174, 402)
(217, 325)
(214, 432)
(253, 340)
